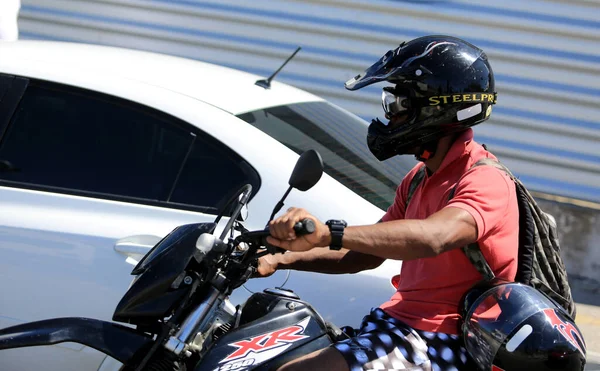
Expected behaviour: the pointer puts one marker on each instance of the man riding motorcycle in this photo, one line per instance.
(439, 87)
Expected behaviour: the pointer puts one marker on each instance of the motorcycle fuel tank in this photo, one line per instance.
(273, 330)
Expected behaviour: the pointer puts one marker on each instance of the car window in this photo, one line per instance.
(340, 138)
(11, 91)
(5, 82)
(76, 141)
(211, 174)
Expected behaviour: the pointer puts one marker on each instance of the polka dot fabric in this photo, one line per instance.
(385, 343)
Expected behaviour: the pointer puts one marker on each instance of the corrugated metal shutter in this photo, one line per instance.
(545, 53)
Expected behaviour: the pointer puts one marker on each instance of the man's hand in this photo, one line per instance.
(267, 265)
(282, 232)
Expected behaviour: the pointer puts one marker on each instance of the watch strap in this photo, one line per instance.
(336, 228)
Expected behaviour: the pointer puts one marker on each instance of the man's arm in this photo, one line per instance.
(328, 261)
(447, 229)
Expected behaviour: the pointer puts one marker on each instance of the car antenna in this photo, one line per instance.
(267, 83)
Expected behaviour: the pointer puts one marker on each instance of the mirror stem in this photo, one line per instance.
(279, 204)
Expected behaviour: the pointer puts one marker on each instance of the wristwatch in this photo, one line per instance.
(336, 227)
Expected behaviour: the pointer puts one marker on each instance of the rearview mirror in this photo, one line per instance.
(307, 172)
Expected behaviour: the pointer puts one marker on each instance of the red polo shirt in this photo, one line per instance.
(429, 289)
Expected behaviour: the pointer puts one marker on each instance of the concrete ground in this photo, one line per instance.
(588, 321)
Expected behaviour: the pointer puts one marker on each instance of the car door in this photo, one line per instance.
(89, 183)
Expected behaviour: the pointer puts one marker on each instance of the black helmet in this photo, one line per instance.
(443, 84)
(511, 326)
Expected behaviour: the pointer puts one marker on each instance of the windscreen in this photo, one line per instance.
(340, 138)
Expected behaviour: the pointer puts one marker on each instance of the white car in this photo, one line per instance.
(103, 151)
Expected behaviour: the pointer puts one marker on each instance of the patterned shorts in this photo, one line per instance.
(385, 343)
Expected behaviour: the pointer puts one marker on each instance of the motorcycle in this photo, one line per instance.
(177, 307)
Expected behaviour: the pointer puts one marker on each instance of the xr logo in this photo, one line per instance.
(268, 341)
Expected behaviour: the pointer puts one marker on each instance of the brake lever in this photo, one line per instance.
(259, 255)
(270, 249)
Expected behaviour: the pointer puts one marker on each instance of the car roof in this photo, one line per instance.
(228, 89)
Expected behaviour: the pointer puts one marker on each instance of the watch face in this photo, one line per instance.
(337, 222)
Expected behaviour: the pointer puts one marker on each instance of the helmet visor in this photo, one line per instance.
(496, 315)
(501, 309)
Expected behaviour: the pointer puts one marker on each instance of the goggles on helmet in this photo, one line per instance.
(394, 103)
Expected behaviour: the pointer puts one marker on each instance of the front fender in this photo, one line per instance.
(120, 342)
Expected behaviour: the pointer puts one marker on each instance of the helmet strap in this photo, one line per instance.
(426, 150)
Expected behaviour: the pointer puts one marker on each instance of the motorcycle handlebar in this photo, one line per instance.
(303, 227)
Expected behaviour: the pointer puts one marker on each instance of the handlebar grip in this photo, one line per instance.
(306, 226)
